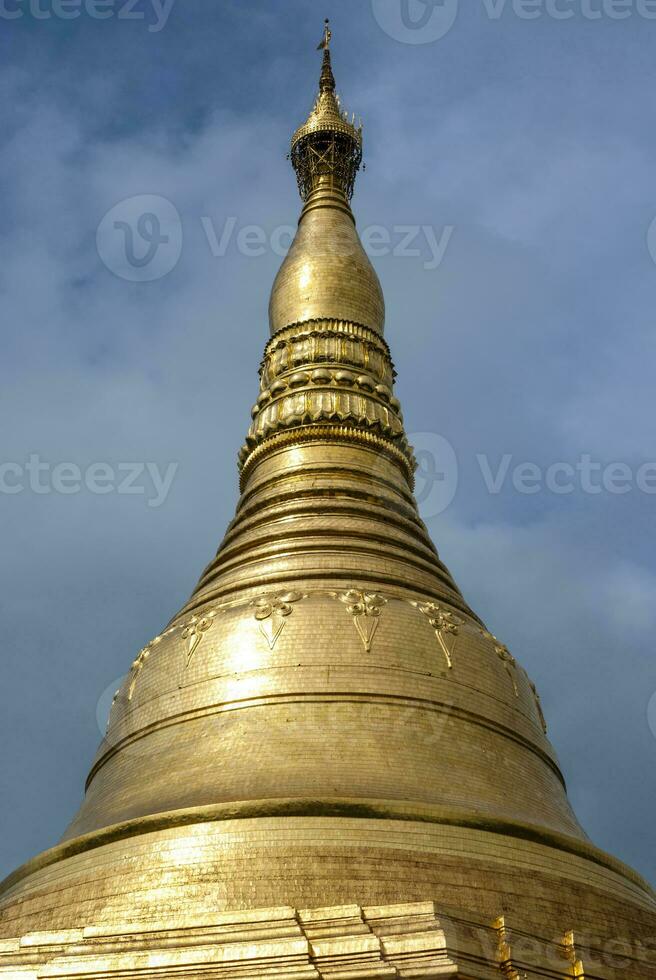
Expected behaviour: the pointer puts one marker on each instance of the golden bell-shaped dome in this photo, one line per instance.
(327, 273)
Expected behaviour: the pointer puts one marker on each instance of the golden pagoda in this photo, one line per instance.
(326, 766)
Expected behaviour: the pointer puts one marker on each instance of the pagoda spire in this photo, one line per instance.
(327, 274)
(327, 79)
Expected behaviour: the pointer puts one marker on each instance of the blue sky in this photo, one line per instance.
(529, 143)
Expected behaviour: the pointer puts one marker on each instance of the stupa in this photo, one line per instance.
(326, 765)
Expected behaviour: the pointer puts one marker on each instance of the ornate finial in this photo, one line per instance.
(327, 35)
(327, 149)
